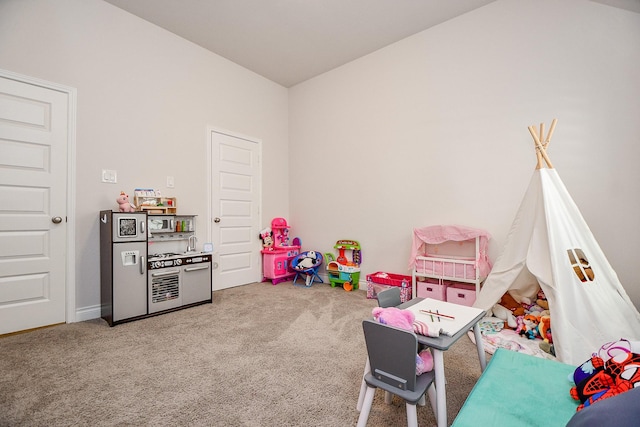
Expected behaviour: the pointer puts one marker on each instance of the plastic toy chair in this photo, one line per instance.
(392, 356)
(389, 297)
(307, 263)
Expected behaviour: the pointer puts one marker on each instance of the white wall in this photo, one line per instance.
(145, 99)
(433, 130)
(429, 130)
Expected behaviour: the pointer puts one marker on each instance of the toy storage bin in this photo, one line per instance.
(379, 281)
(373, 289)
(461, 293)
(432, 288)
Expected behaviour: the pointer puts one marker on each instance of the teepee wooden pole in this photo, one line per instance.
(540, 148)
(551, 129)
(541, 136)
(538, 154)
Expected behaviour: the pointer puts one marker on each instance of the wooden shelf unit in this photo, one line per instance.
(156, 205)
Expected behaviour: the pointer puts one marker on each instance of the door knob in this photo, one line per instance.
(216, 220)
(56, 220)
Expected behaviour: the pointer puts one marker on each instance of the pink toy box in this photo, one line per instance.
(379, 281)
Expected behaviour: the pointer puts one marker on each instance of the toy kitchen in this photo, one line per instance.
(149, 263)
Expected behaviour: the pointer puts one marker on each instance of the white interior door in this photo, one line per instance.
(34, 135)
(235, 210)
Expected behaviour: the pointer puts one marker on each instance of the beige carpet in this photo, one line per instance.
(260, 355)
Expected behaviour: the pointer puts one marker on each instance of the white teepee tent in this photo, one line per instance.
(550, 246)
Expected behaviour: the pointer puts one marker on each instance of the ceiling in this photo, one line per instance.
(290, 41)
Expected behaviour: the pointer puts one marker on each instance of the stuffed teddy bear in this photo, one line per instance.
(508, 309)
(404, 319)
(510, 303)
(123, 203)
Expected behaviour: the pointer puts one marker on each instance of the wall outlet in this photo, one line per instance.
(170, 182)
(110, 176)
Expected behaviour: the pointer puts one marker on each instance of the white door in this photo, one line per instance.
(34, 138)
(235, 210)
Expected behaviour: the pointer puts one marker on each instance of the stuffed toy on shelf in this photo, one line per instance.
(123, 203)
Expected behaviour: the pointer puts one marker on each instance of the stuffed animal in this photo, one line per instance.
(529, 326)
(544, 328)
(542, 300)
(588, 271)
(506, 315)
(393, 316)
(597, 379)
(511, 304)
(123, 203)
(424, 362)
(404, 319)
(308, 261)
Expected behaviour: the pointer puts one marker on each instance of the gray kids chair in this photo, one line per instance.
(389, 297)
(392, 356)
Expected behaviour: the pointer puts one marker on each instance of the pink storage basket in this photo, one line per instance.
(461, 293)
(432, 288)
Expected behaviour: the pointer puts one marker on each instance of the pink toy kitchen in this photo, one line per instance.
(278, 251)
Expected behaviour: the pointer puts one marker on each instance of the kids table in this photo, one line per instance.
(467, 318)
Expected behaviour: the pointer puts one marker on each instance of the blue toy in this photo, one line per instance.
(307, 263)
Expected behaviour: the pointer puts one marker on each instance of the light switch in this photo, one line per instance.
(170, 182)
(110, 176)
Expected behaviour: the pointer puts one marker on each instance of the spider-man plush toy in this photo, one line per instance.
(597, 379)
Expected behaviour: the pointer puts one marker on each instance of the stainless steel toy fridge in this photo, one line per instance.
(123, 269)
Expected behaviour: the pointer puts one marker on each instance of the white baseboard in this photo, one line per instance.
(93, 311)
(87, 313)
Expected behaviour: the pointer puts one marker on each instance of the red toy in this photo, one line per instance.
(607, 379)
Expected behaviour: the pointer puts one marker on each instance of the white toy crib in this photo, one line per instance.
(449, 253)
